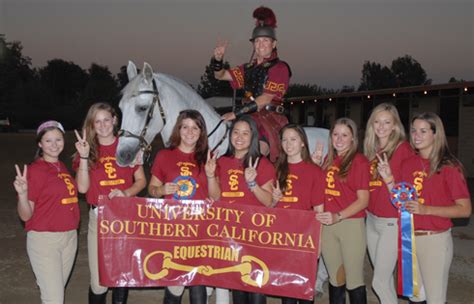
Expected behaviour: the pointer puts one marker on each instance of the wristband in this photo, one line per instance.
(81, 157)
(216, 65)
(252, 184)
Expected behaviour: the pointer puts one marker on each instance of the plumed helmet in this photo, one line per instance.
(266, 23)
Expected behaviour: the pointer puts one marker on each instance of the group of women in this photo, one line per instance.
(344, 188)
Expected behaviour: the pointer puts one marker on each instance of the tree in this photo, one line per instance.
(210, 86)
(375, 76)
(65, 79)
(408, 72)
(101, 86)
(299, 90)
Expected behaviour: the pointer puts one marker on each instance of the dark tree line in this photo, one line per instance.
(64, 91)
(60, 90)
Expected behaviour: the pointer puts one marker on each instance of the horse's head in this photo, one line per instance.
(142, 114)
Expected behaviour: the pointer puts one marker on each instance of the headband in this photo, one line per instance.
(50, 124)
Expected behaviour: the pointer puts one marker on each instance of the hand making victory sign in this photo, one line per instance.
(251, 171)
(21, 181)
(276, 193)
(82, 146)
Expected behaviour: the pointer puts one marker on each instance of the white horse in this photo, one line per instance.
(150, 105)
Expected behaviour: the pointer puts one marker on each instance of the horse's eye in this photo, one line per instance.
(141, 109)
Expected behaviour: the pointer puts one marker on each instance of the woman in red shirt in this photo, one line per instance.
(384, 134)
(300, 182)
(99, 174)
(47, 202)
(346, 197)
(442, 194)
(178, 173)
(242, 176)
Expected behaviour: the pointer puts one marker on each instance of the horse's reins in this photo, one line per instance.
(141, 138)
(223, 137)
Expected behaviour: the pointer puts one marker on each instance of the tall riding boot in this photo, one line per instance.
(97, 298)
(289, 301)
(257, 298)
(197, 294)
(120, 295)
(171, 298)
(358, 295)
(239, 296)
(337, 295)
(419, 302)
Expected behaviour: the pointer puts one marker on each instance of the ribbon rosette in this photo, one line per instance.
(407, 282)
(187, 187)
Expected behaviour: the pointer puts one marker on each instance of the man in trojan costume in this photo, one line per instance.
(264, 79)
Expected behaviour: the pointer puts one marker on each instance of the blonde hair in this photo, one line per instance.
(440, 155)
(348, 157)
(372, 142)
(90, 130)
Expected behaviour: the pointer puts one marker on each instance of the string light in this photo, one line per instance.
(394, 95)
(368, 96)
(465, 89)
(330, 99)
(302, 101)
(425, 92)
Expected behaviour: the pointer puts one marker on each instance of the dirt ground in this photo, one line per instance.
(18, 283)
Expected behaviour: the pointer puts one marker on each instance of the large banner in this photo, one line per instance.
(151, 242)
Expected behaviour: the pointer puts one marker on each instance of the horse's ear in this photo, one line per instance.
(131, 70)
(148, 72)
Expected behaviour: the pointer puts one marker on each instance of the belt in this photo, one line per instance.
(276, 109)
(424, 232)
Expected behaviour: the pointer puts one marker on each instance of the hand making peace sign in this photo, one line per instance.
(219, 50)
(82, 146)
(383, 167)
(317, 155)
(211, 164)
(250, 172)
(276, 193)
(21, 181)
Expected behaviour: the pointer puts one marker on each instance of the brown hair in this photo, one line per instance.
(440, 154)
(347, 158)
(281, 165)
(200, 151)
(90, 130)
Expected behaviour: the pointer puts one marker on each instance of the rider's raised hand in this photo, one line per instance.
(219, 50)
(82, 146)
(21, 181)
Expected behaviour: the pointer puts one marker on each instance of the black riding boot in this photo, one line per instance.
(295, 301)
(171, 298)
(239, 296)
(419, 302)
(257, 298)
(358, 295)
(97, 298)
(197, 295)
(337, 295)
(120, 295)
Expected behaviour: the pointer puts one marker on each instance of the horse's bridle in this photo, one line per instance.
(141, 138)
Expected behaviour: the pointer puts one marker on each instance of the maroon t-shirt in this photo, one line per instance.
(305, 187)
(379, 201)
(107, 175)
(234, 189)
(440, 189)
(181, 168)
(340, 194)
(54, 193)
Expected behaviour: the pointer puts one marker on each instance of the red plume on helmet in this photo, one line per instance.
(266, 23)
(265, 17)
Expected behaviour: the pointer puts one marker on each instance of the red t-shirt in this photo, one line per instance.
(54, 193)
(340, 194)
(179, 167)
(441, 189)
(276, 83)
(305, 187)
(379, 201)
(107, 175)
(234, 189)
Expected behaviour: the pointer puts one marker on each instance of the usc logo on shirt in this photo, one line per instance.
(331, 181)
(184, 168)
(233, 184)
(419, 177)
